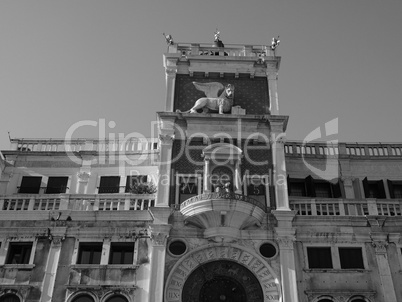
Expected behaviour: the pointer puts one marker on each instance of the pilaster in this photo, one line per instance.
(159, 235)
(285, 237)
(279, 171)
(272, 77)
(380, 244)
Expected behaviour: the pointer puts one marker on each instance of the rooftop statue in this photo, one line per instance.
(275, 43)
(218, 97)
(169, 39)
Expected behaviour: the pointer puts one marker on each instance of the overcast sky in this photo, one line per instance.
(62, 62)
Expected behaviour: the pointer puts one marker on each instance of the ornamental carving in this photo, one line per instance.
(285, 243)
(228, 260)
(380, 247)
(159, 238)
(83, 176)
(166, 139)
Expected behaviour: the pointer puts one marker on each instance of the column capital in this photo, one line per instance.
(272, 75)
(159, 234)
(285, 218)
(171, 71)
(379, 242)
(166, 139)
(347, 180)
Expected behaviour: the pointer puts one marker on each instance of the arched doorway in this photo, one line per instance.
(222, 281)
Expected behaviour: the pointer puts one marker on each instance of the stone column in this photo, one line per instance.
(285, 236)
(379, 242)
(279, 172)
(83, 178)
(170, 84)
(272, 77)
(207, 175)
(166, 143)
(51, 269)
(159, 236)
(237, 176)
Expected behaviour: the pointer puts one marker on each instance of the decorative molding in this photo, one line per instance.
(166, 139)
(236, 253)
(83, 176)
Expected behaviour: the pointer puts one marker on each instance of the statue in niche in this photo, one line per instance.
(218, 98)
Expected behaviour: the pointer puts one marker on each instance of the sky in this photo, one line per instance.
(65, 62)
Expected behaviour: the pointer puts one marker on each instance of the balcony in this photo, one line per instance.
(76, 145)
(346, 207)
(222, 214)
(230, 50)
(75, 206)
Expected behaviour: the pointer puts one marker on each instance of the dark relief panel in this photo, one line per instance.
(250, 94)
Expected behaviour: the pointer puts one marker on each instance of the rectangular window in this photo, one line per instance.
(351, 257)
(133, 181)
(56, 185)
(121, 253)
(257, 188)
(373, 188)
(187, 186)
(319, 257)
(89, 253)
(395, 189)
(297, 187)
(19, 253)
(109, 184)
(30, 184)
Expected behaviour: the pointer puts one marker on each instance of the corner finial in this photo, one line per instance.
(217, 36)
(274, 43)
(169, 39)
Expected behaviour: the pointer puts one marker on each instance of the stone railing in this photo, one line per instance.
(346, 207)
(343, 149)
(221, 196)
(230, 50)
(61, 145)
(78, 202)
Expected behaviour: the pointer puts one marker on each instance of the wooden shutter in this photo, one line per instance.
(336, 190)
(366, 188)
(381, 189)
(391, 188)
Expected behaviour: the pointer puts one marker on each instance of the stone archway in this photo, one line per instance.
(222, 274)
(222, 281)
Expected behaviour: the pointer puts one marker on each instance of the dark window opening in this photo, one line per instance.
(30, 184)
(133, 180)
(310, 187)
(319, 257)
(188, 188)
(118, 298)
(9, 298)
(373, 188)
(121, 253)
(351, 257)
(109, 184)
(89, 253)
(56, 185)
(19, 253)
(83, 298)
(395, 189)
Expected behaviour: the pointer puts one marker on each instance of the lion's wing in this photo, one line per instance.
(211, 89)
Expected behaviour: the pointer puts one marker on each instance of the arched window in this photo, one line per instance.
(83, 298)
(9, 298)
(117, 298)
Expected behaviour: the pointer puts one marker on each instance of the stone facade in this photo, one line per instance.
(239, 214)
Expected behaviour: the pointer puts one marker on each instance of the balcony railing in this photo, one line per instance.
(222, 196)
(75, 145)
(360, 150)
(78, 202)
(230, 50)
(346, 207)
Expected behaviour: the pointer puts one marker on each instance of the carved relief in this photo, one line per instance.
(83, 176)
(237, 254)
(166, 138)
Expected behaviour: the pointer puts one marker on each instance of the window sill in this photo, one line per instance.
(335, 270)
(18, 266)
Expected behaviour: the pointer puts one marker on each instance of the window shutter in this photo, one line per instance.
(390, 188)
(336, 190)
(310, 186)
(366, 188)
(381, 189)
